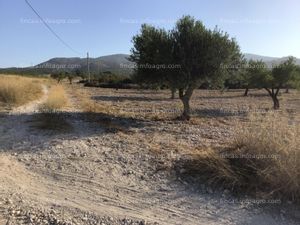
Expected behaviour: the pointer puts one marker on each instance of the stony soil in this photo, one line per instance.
(104, 169)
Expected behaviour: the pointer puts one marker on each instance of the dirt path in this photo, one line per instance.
(95, 175)
(31, 107)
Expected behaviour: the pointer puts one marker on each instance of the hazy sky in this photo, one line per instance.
(265, 27)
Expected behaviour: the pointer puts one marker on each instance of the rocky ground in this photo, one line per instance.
(104, 169)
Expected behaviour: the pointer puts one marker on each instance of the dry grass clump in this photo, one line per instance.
(15, 90)
(56, 99)
(85, 102)
(264, 158)
(50, 116)
(270, 150)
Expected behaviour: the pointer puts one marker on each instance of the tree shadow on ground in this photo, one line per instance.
(224, 96)
(24, 132)
(216, 113)
(127, 98)
(217, 96)
(258, 95)
(142, 91)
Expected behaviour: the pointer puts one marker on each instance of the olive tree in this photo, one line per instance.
(272, 80)
(245, 78)
(254, 75)
(152, 53)
(282, 76)
(197, 54)
(58, 76)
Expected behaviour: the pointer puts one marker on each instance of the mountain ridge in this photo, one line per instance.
(116, 63)
(269, 60)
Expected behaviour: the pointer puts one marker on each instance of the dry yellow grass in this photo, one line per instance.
(271, 147)
(264, 159)
(16, 90)
(84, 101)
(52, 116)
(56, 99)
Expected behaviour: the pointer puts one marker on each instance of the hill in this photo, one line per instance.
(113, 63)
(117, 63)
(267, 59)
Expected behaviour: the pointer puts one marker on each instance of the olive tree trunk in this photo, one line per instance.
(246, 92)
(274, 95)
(185, 98)
(173, 92)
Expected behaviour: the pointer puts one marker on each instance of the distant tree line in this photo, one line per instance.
(106, 78)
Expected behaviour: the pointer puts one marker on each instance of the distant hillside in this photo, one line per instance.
(117, 63)
(113, 63)
(267, 59)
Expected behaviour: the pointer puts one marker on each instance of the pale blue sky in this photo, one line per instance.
(265, 27)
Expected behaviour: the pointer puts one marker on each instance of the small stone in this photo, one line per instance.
(182, 171)
(83, 155)
(210, 191)
(142, 222)
(297, 214)
(202, 187)
(226, 192)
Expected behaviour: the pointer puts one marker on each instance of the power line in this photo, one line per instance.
(52, 31)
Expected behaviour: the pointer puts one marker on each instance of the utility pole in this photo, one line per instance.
(88, 67)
